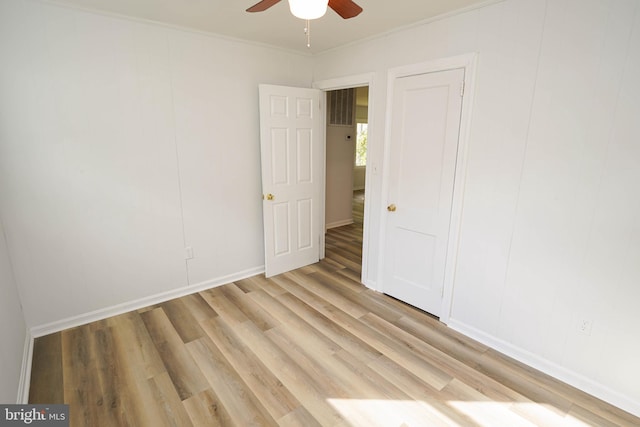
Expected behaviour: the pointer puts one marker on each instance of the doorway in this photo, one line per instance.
(346, 134)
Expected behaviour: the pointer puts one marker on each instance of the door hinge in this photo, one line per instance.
(462, 89)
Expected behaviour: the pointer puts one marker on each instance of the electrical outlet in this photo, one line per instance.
(585, 326)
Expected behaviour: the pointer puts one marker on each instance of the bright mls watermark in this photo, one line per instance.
(34, 415)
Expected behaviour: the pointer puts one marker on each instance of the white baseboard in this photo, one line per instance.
(103, 313)
(25, 371)
(550, 368)
(339, 223)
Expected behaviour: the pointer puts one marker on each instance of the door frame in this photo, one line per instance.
(468, 62)
(346, 82)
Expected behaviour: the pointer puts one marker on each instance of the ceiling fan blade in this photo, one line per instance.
(262, 5)
(345, 8)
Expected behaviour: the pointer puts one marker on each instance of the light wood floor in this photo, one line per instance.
(306, 348)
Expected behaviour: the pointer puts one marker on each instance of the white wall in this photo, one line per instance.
(340, 161)
(12, 329)
(359, 175)
(550, 232)
(121, 143)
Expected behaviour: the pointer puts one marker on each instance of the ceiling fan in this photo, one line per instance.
(345, 8)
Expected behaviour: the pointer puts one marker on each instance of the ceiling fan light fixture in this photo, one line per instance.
(308, 9)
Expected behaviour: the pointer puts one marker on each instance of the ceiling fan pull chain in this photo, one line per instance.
(307, 31)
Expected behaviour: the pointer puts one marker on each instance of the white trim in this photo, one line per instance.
(396, 30)
(323, 172)
(174, 27)
(366, 79)
(339, 223)
(468, 63)
(346, 82)
(25, 371)
(103, 313)
(559, 372)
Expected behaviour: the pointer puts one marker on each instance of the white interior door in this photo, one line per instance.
(425, 123)
(290, 120)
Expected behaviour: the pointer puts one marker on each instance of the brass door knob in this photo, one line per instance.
(270, 196)
(391, 208)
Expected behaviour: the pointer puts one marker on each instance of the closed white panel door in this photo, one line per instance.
(291, 171)
(425, 123)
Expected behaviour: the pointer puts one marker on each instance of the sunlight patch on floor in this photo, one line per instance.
(389, 413)
(530, 414)
(413, 413)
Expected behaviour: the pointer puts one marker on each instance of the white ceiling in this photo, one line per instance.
(276, 26)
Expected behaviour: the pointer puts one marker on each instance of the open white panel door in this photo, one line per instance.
(425, 127)
(290, 131)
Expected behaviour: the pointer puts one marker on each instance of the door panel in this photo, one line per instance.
(305, 224)
(282, 235)
(279, 157)
(424, 140)
(305, 156)
(291, 166)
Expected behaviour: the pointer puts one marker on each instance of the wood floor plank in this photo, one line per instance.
(543, 389)
(388, 397)
(261, 283)
(354, 275)
(182, 320)
(83, 385)
(403, 352)
(297, 325)
(185, 374)
(483, 410)
(221, 304)
(310, 391)
(453, 367)
(248, 285)
(339, 281)
(584, 416)
(327, 263)
(107, 374)
(134, 344)
(420, 391)
(370, 303)
(445, 340)
(380, 342)
(168, 402)
(253, 312)
(340, 336)
(269, 390)
(333, 296)
(46, 370)
(205, 409)
(243, 407)
(198, 307)
(579, 398)
(308, 360)
(135, 363)
(299, 417)
(344, 258)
